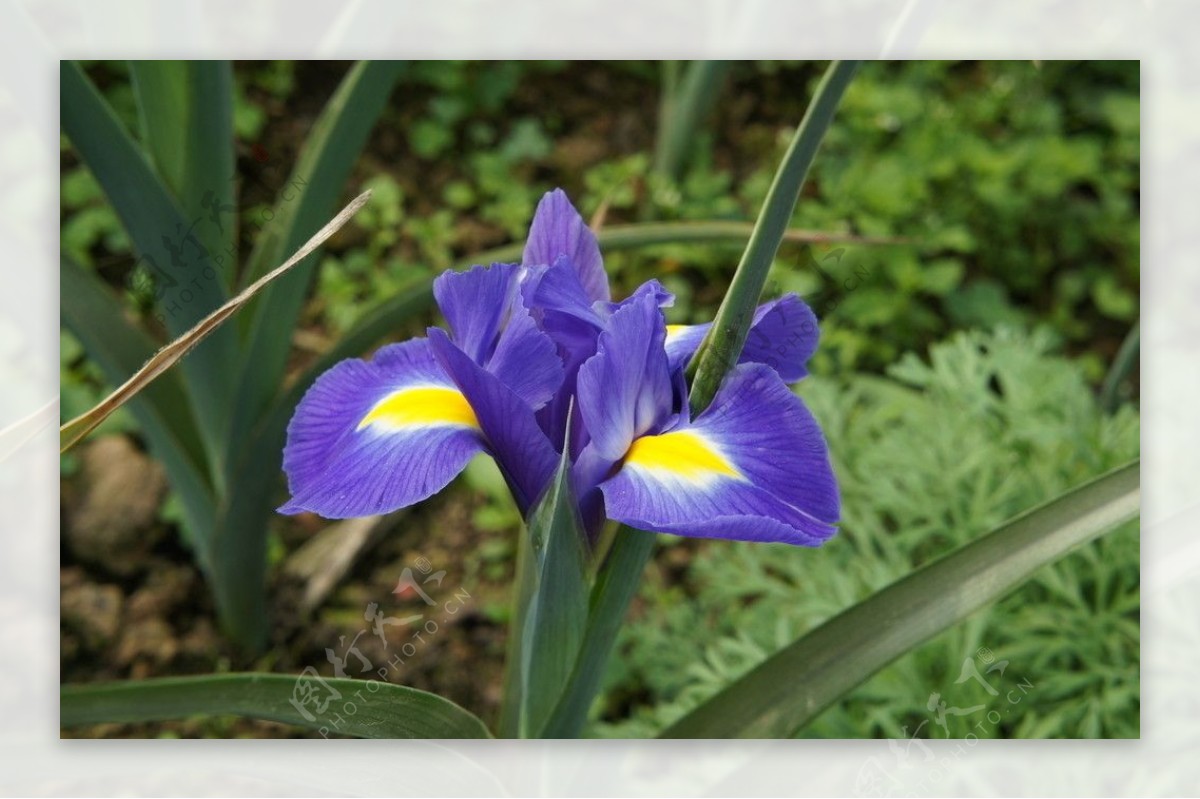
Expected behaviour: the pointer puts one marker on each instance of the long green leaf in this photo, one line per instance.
(727, 336)
(309, 198)
(94, 315)
(551, 611)
(186, 274)
(683, 110)
(616, 584)
(790, 688)
(186, 112)
(380, 710)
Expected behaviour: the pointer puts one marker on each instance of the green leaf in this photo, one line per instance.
(725, 340)
(682, 111)
(93, 314)
(381, 710)
(551, 611)
(186, 275)
(307, 200)
(186, 113)
(616, 584)
(1122, 365)
(790, 688)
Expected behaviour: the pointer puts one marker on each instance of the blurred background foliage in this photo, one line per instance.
(956, 380)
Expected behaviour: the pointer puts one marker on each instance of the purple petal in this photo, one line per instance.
(754, 466)
(624, 390)
(370, 437)
(522, 451)
(476, 304)
(559, 230)
(491, 326)
(682, 343)
(783, 335)
(527, 360)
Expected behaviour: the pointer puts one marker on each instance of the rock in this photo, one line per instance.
(147, 642)
(166, 588)
(201, 642)
(92, 612)
(113, 523)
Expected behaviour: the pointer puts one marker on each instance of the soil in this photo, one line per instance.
(150, 615)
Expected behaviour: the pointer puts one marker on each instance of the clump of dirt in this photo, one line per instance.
(111, 518)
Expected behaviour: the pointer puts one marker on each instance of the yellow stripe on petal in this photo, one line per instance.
(675, 330)
(683, 454)
(423, 406)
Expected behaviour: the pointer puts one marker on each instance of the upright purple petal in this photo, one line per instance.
(754, 466)
(527, 361)
(370, 437)
(511, 433)
(624, 390)
(476, 304)
(490, 324)
(558, 230)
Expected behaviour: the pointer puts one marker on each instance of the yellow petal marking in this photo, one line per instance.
(675, 330)
(682, 454)
(421, 406)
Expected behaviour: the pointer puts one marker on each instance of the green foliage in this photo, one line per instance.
(213, 429)
(992, 424)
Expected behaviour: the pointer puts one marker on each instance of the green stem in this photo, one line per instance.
(616, 583)
(724, 342)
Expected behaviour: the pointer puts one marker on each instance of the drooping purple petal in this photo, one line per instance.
(511, 433)
(754, 466)
(559, 230)
(783, 335)
(371, 437)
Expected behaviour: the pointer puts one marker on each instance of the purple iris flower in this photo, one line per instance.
(537, 359)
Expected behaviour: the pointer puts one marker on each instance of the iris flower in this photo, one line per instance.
(539, 359)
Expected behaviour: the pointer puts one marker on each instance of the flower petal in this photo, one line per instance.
(624, 390)
(476, 303)
(371, 437)
(754, 466)
(490, 324)
(510, 432)
(559, 230)
(527, 360)
(783, 335)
